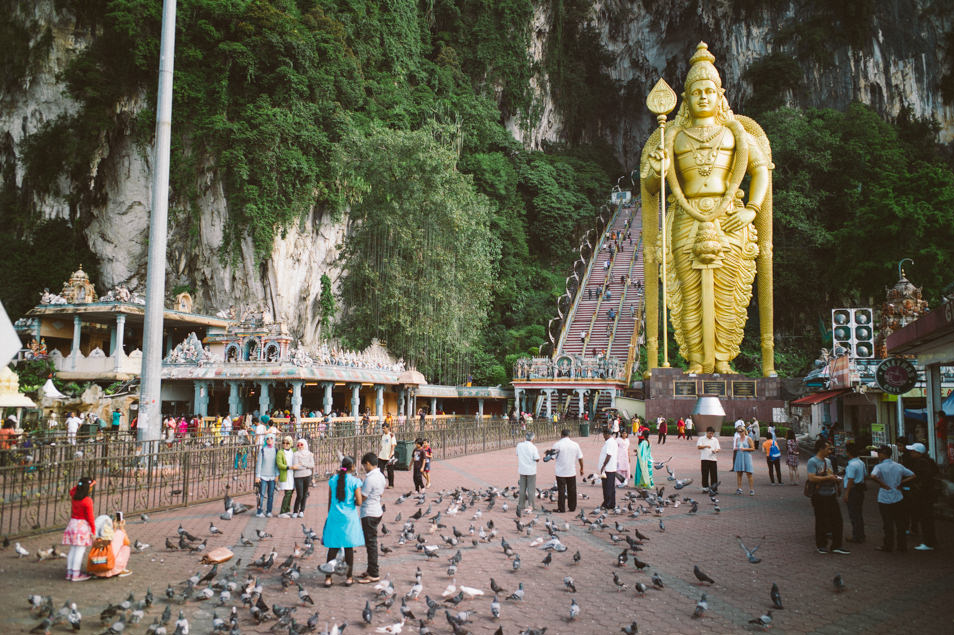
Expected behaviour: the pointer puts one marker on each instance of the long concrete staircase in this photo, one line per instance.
(613, 281)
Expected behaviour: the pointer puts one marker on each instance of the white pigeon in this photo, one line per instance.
(451, 589)
(537, 541)
(469, 591)
(397, 627)
(21, 551)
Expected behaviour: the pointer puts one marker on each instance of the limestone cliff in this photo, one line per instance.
(896, 66)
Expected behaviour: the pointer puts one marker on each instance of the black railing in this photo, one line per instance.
(139, 477)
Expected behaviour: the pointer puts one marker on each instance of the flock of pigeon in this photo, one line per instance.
(237, 594)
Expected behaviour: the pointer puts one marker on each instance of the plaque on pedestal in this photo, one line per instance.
(744, 389)
(684, 389)
(713, 387)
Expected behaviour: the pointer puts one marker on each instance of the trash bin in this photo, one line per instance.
(403, 453)
(584, 428)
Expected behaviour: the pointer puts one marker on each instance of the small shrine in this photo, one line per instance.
(183, 302)
(903, 304)
(78, 290)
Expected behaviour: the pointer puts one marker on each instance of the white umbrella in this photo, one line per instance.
(50, 391)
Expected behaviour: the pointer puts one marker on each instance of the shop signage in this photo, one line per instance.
(896, 375)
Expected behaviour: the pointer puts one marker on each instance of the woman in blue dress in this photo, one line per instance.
(743, 446)
(343, 526)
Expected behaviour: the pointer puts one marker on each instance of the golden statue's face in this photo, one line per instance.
(703, 98)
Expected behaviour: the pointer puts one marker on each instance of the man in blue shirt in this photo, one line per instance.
(890, 476)
(854, 496)
(825, 499)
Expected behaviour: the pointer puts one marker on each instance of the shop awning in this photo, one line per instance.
(818, 397)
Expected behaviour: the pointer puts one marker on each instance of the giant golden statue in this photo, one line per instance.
(716, 236)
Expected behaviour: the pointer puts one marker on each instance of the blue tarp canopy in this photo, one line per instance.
(920, 414)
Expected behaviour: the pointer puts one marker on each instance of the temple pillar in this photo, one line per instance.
(516, 399)
(75, 351)
(263, 403)
(296, 398)
(355, 401)
(119, 351)
(612, 392)
(549, 393)
(327, 401)
(402, 404)
(235, 406)
(379, 403)
(580, 392)
(480, 409)
(433, 406)
(201, 401)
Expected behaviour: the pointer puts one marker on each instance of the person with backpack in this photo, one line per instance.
(773, 459)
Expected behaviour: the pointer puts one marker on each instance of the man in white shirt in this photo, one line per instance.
(226, 428)
(568, 453)
(607, 469)
(527, 458)
(260, 430)
(386, 453)
(708, 448)
(371, 513)
(72, 427)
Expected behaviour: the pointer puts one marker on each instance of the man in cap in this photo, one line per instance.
(527, 458)
(889, 476)
(923, 494)
(607, 469)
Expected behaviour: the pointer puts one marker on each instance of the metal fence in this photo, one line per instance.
(137, 477)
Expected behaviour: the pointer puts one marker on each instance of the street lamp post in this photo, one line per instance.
(150, 401)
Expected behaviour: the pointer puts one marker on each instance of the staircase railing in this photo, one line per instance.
(556, 343)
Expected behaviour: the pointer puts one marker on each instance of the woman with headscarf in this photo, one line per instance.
(266, 471)
(113, 537)
(643, 469)
(303, 464)
(343, 525)
(284, 460)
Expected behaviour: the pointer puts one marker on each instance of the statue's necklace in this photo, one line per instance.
(705, 155)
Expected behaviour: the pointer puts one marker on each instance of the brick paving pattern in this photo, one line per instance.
(885, 593)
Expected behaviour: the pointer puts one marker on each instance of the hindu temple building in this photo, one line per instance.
(230, 363)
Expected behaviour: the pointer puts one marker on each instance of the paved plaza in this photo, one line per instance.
(884, 593)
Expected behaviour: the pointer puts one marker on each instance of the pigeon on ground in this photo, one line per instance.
(140, 546)
(700, 576)
(21, 551)
(619, 583)
(366, 614)
(214, 530)
(548, 559)
(701, 607)
(764, 621)
(304, 597)
(144, 518)
(518, 594)
(839, 583)
(574, 609)
(776, 596)
(577, 557)
(657, 581)
(569, 584)
(640, 588)
(632, 629)
(495, 608)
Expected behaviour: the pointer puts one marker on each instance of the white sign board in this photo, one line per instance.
(9, 341)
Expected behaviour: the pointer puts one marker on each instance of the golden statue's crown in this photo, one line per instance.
(702, 66)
